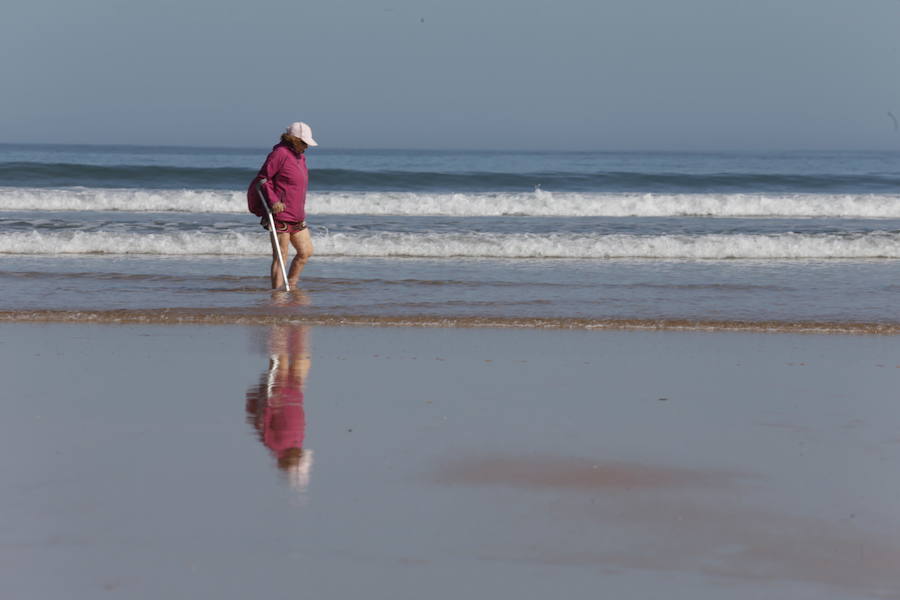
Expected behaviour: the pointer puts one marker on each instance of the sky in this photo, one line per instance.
(480, 74)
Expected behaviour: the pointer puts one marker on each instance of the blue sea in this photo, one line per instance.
(762, 241)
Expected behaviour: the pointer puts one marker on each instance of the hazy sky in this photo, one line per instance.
(531, 74)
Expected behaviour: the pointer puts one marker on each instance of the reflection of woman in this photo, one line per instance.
(275, 405)
(284, 180)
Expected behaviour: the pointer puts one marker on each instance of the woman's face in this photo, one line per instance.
(302, 146)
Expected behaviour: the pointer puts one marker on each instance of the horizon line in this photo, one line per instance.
(458, 149)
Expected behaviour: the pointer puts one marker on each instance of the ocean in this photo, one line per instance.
(798, 241)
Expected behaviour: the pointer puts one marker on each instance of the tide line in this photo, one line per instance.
(218, 316)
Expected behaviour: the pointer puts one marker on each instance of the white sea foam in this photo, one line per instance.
(538, 203)
(127, 200)
(474, 245)
(568, 204)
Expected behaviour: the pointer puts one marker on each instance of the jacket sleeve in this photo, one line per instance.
(269, 170)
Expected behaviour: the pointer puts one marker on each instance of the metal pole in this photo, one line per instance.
(276, 247)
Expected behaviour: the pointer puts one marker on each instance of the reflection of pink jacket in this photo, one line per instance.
(287, 179)
(284, 421)
(275, 409)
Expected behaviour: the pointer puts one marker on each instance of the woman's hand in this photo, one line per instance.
(277, 207)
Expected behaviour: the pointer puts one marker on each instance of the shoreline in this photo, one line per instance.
(220, 316)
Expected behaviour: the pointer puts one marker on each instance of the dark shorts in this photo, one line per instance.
(283, 226)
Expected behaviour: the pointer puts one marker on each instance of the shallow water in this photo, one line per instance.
(765, 241)
(766, 293)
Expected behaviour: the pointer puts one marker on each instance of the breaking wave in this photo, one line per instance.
(873, 245)
(538, 203)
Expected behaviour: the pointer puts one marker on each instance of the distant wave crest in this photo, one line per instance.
(35, 174)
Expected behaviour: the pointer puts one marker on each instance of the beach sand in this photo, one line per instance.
(154, 461)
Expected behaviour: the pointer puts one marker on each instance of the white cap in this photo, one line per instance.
(303, 131)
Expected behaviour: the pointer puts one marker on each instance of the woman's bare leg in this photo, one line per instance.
(302, 243)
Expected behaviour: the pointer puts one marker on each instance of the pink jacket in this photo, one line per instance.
(286, 181)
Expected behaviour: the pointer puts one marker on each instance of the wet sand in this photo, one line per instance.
(151, 461)
(266, 316)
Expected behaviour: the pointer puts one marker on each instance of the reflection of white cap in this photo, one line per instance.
(303, 131)
(298, 475)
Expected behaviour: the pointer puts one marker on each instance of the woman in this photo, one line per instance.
(284, 179)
